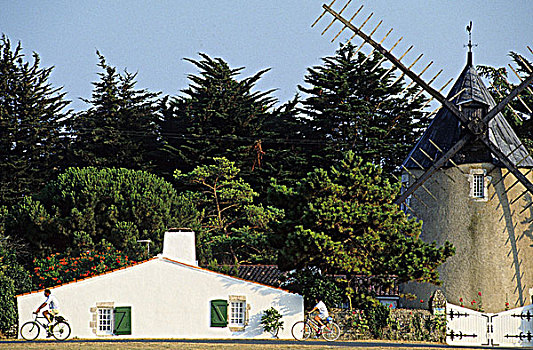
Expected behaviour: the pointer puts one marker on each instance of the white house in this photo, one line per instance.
(168, 296)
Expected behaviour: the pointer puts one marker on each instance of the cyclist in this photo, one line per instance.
(322, 312)
(52, 308)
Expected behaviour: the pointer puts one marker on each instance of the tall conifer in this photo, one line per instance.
(31, 119)
(217, 116)
(351, 104)
(120, 127)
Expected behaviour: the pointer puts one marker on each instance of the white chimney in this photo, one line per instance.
(179, 244)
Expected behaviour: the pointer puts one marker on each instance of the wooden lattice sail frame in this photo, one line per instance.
(476, 126)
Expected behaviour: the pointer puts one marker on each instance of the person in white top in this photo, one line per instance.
(51, 305)
(322, 311)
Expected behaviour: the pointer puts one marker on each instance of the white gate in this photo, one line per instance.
(512, 328)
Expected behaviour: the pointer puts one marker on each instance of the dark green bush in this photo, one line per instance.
(378, 318)
(8, 316)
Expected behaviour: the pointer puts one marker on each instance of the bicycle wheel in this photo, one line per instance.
(331, 331)
(30, 330)
(301, 330)
(61, 330)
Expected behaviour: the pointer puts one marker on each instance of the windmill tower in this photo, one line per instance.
(469, 180)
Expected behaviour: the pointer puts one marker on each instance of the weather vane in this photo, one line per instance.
(470, 45)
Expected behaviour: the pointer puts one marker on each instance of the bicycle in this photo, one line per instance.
(60, 329)
(302, 330)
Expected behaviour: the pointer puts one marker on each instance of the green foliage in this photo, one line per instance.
(218, 116)
(13, 255)
(14, 279)
(271, 321)
(284, 154)
(8, 316)
(378, 318)
(353, 105)
(310, 283)
(84, 207)
(359, 323)
(233, 229)
(31, 147)
(519, 108)
(61, 268)
(344, 221)
(120, 128)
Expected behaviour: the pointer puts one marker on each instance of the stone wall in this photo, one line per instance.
(403, 324)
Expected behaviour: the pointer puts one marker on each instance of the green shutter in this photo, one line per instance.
(219, 313)
(122, 320)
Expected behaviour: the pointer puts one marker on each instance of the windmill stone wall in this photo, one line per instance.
(493, 240)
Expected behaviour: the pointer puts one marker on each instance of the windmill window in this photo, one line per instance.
(478, 184)
(478, 190)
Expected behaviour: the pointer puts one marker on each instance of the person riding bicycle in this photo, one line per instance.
(52, 307)
(322, 311)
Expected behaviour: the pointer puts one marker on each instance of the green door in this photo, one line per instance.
(122, 320)
(219, 313)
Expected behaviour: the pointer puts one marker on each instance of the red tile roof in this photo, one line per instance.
(259, 274)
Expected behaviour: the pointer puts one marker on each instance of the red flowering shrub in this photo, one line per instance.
(62, 268)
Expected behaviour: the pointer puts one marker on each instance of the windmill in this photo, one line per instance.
(466, 178)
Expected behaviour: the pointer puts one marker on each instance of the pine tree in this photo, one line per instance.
(31, 120)
(519, 112)
(343, 221)
(85, 209)
(234, 230)
(218, 116)
(285, 150)
(120, 129)
(352, 105)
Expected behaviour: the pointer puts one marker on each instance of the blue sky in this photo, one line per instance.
(152, 37)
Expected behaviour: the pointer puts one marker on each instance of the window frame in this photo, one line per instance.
(237, 313)
(238, 303)
(479, 182)
(105, 314)
(478, 186)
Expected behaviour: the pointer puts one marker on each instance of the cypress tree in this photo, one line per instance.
(217, 116)
(120, 128)
(351, 104)
(31, 121)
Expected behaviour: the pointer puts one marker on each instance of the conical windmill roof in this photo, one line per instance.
(445, 130)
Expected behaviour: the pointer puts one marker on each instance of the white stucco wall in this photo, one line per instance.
(168, 300)
(492, 236)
